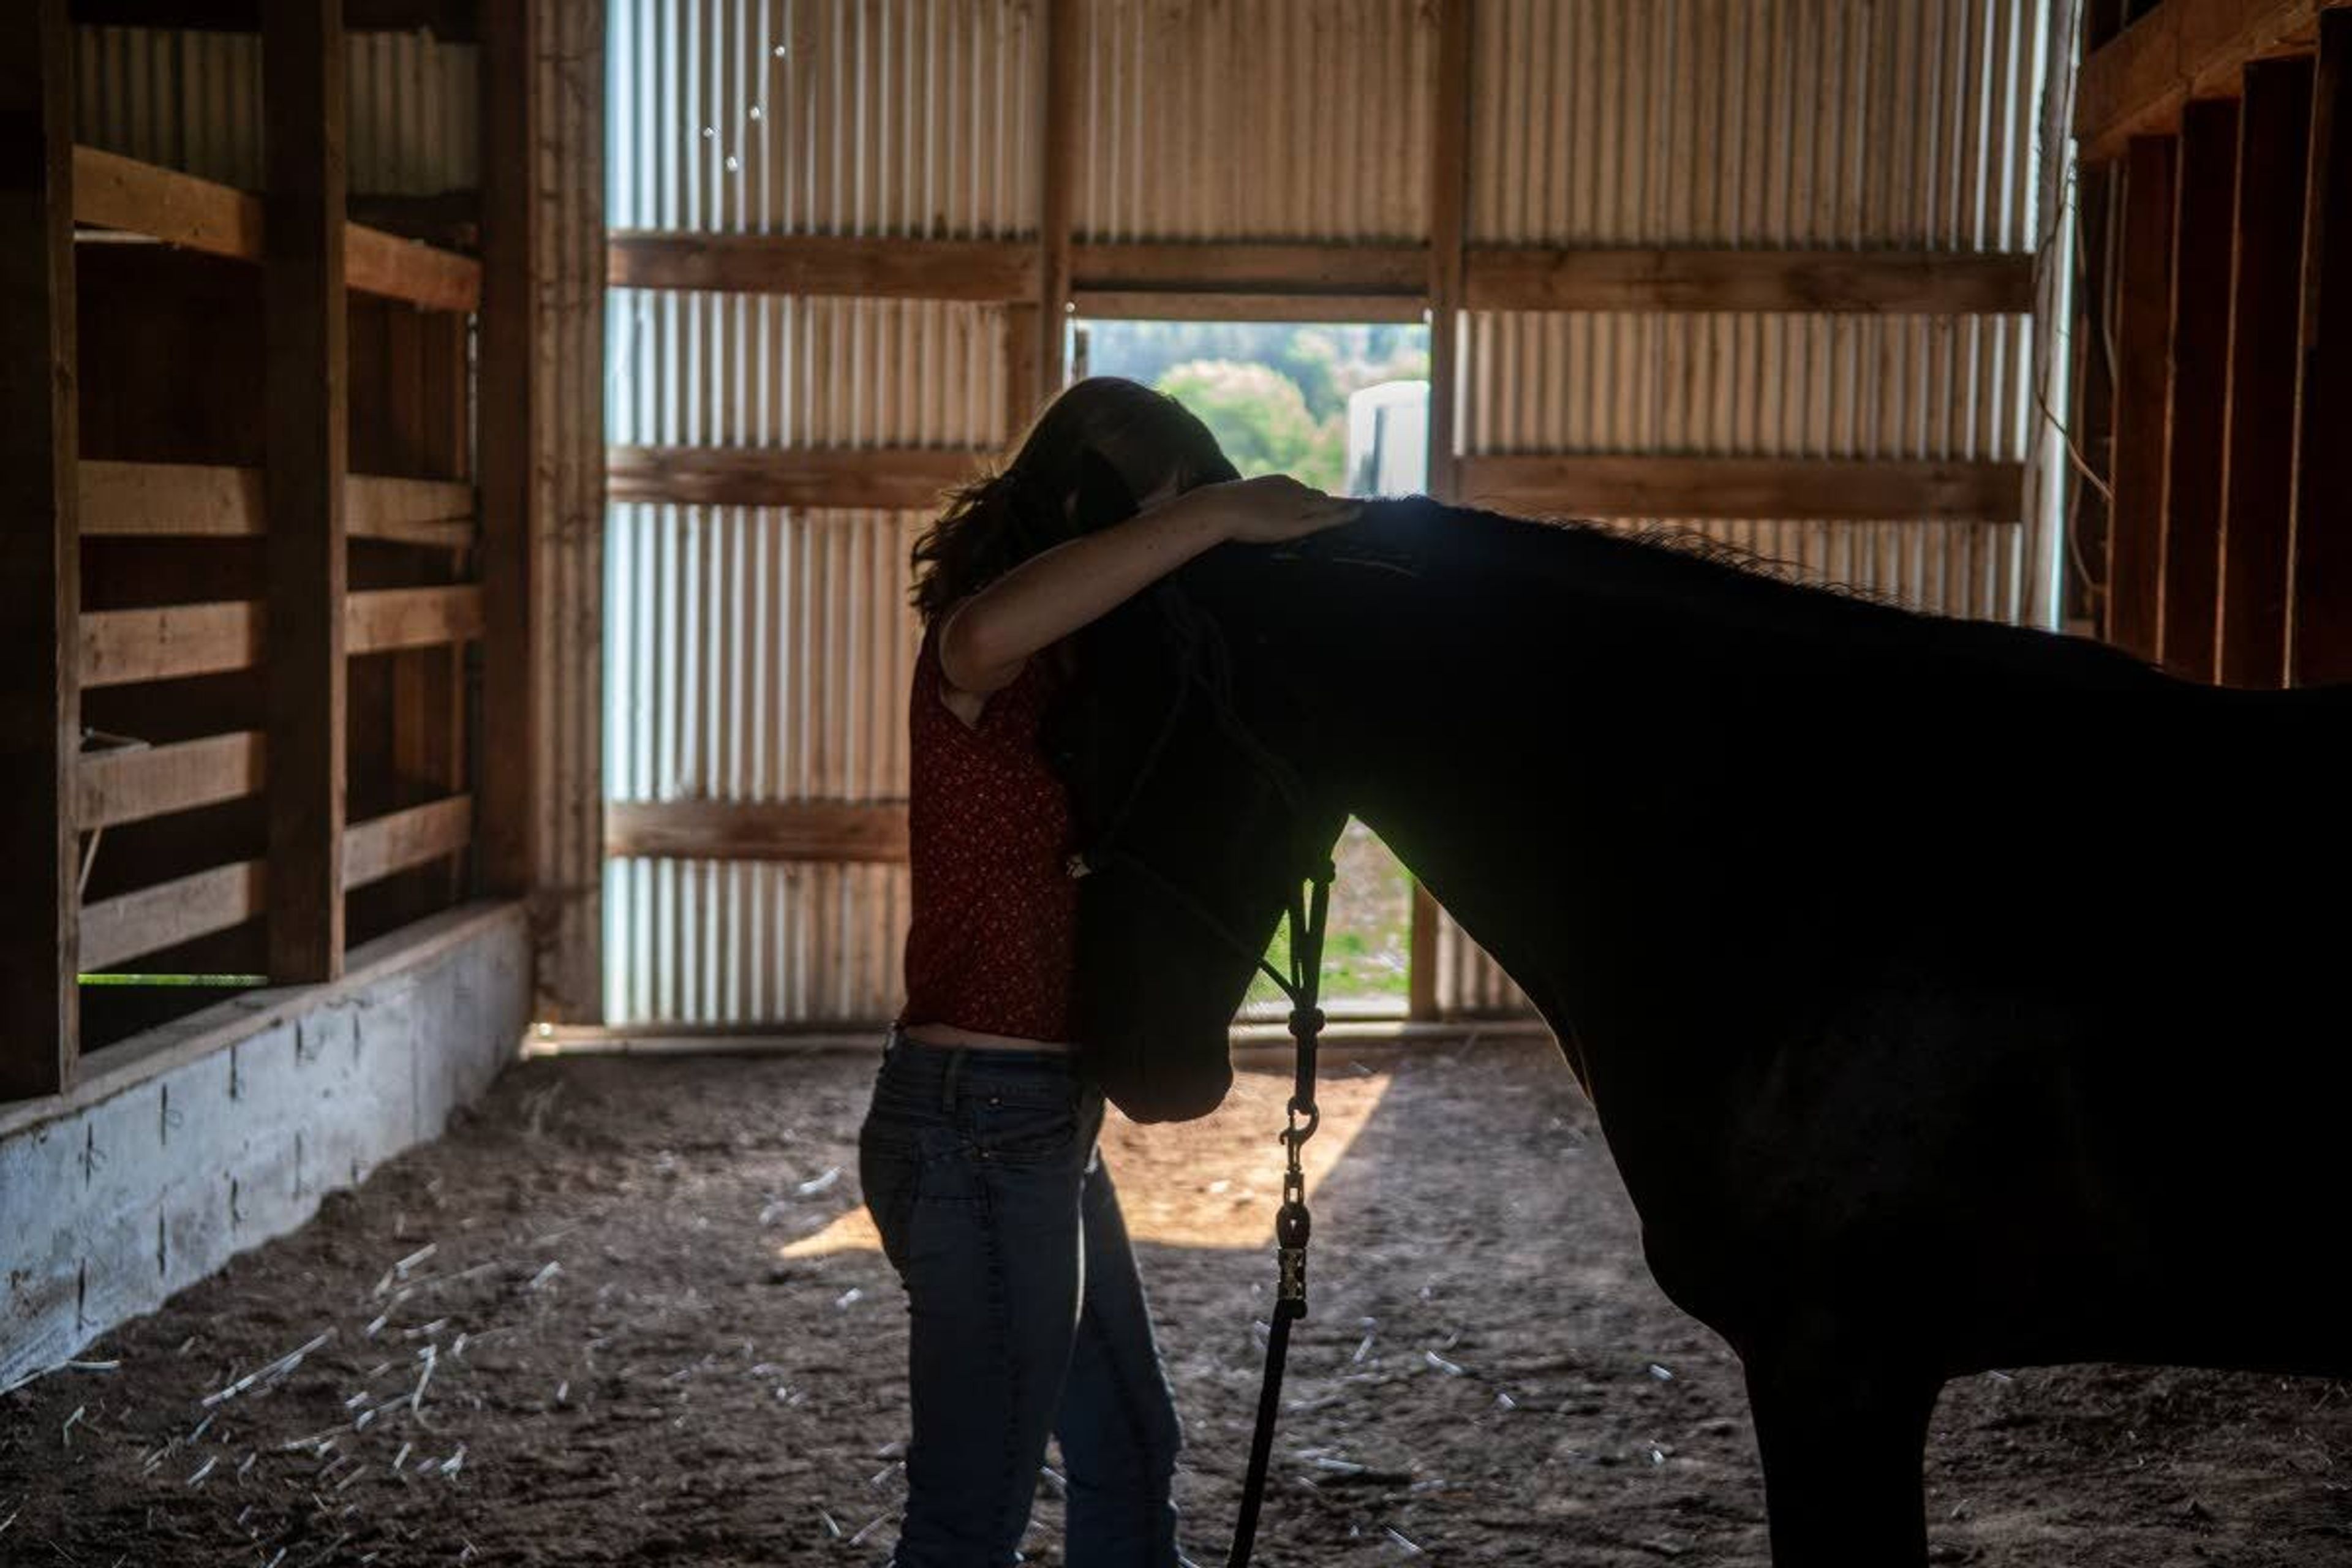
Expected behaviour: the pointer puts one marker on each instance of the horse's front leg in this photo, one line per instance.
(1842, 1442)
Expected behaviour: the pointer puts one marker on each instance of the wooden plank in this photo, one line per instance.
(874, 268)
(2205, 217)
(389, 618)
(118, 193)
(745, 830)
(130, 786)
(402, 269)
(1065, 78)
(450, 21)
(2184, 49)
(1747, 489)
(399, 840)
(1532, 278)
(169, 642)
(113, 192)
(40, 580)
(2143, 341)
(2257, 482)
(890, 477)
(220, 502)
(122, 928)
(1235, 306)
(308, 424)
(2320, 603)
(1259, 268)
(509, 400)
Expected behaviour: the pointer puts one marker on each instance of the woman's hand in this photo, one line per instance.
(1270, 509)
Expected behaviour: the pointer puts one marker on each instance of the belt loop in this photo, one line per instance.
(948, 1078)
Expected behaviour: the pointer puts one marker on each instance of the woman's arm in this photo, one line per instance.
(988, 637)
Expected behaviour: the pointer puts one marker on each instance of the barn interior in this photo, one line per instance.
(460, 461)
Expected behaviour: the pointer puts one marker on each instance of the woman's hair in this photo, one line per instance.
(1091, 457)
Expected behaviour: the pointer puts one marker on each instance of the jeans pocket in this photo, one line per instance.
(1028, 1129)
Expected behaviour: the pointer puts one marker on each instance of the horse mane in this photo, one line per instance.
(1541, 560)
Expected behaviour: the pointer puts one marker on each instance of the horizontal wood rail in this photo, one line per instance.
(888, 477)
(1329, 281)
(983, 269)
(1747, 489)
(113, 192)
(211, 500)
(747, 830)
(2137, 84)
(130, 786)
(1920, 282)
(399, 840)
(116, 930)
(389, 618)
(170, 642)
(124, 927)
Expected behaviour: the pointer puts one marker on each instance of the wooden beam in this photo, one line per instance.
(130, 924)
(1259, 268)
(1234, 306)
(1064, 75)
(2204, 220)
(2143, 341)
(40, 580)
(874, 267)
(218, 501)
(169, 642)
(1747, 489)
(746, 830)
(2258, 483)
(1921, 283)
(130, 786)
(2184, 49)
(887, 478)
(1446, 283)
(112, 192)
(2320, 600)
(389, 618)
(309, 423)
(508, 402)
(450, 21)
(399, 840)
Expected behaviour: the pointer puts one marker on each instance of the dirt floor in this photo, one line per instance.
(629, 1310)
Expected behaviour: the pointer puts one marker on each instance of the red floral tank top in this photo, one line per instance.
(989, 944)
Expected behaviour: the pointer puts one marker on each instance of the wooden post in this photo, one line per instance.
(2203, 218)
(2320, 607)
(2144, 339)
(40, 579)
(1064, 79)
(2273, 150)
(2082, 599)
(505, 400)
(307, 427)
(1449, 210)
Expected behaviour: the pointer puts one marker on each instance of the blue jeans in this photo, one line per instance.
(981, 1169)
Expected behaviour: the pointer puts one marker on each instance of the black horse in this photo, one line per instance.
(1953, 997)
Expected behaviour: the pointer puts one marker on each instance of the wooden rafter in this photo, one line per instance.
(2136, 84)
(890, 477)
(1808, 489)
(733, 830)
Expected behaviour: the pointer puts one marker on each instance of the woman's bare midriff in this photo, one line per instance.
(952, 1035)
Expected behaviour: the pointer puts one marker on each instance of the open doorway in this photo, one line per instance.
(1343, 406)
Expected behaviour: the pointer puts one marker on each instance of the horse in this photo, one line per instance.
(1953, 997)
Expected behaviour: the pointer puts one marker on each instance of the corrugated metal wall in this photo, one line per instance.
(1602, 123)
(1254, 119)
(761, 654)
(191, 101)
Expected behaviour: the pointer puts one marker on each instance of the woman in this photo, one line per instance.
(978, 1154)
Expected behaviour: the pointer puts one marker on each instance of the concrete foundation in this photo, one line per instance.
(183, 1147)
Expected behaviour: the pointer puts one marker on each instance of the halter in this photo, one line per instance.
(1204, 661)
